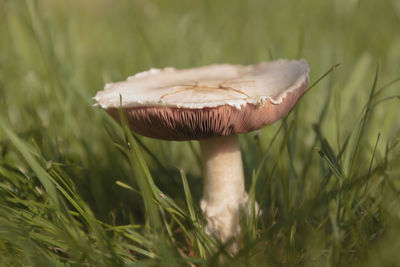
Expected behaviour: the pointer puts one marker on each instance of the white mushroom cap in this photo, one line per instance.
(215, 100)
(208, 86)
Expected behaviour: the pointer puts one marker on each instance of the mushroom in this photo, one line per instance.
(212, 104)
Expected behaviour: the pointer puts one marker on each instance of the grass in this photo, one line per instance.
(78, 189)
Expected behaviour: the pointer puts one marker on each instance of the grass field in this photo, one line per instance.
(78, 190)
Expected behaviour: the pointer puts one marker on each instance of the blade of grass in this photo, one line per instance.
(42, 175)
(192, 213)
(149, 191)
(359, 138)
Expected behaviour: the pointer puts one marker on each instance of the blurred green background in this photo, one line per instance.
(328, 183)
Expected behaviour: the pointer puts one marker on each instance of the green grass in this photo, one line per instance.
(78, 189)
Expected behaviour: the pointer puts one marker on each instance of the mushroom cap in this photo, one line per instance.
(200, 103)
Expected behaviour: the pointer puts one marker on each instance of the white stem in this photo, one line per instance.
(224, 193)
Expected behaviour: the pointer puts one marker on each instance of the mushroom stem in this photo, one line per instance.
(224, 193)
